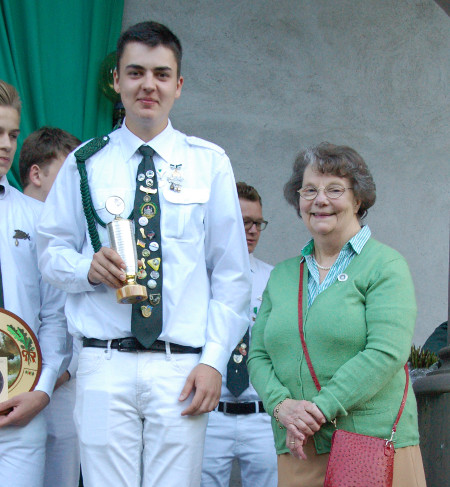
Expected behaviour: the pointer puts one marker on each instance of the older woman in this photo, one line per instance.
(358, 317)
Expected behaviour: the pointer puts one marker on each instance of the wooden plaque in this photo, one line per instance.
(19, 345)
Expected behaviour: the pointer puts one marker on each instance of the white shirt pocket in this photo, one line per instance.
(183, 213)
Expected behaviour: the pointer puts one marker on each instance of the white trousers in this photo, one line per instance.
(129, 420)
(246, 437)
(62, 462)
(22, 454)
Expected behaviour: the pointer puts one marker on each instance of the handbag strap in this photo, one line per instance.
(308, 358)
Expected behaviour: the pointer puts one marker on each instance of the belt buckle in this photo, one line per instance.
(122, 348)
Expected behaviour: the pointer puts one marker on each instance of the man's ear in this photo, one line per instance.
(35, 176)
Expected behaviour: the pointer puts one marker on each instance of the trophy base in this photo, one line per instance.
(131, 294)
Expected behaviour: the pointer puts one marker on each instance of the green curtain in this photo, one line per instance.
(51, 51)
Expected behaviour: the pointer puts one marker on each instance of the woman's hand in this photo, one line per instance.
(301, 419)
(296, 446)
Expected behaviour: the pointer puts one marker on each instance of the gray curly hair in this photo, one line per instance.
(339, 160)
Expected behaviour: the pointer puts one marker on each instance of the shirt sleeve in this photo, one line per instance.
(390, 318)
(62, 232)
(55, 346)
(228, 264)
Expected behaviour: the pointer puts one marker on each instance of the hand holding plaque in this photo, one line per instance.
(122, 240)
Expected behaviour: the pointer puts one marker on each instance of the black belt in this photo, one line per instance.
(130, 344)
(241, 407)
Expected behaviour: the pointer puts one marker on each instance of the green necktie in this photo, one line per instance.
(147, 316)
(237, 373)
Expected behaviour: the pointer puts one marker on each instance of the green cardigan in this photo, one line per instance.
(358, 334)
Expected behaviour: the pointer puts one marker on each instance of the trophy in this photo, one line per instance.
(121, 238)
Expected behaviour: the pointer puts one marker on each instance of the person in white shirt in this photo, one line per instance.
(239, 428)
(23, 429)
(41, 157)
(140, 406)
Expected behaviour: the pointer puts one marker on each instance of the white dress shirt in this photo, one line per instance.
(25, 293)
(260, 275)
(206, 287)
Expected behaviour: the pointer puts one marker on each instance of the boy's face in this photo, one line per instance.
(48, 175)
(9, 131)
(148, 85)
(251, 211)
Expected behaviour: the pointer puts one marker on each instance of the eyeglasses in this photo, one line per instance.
(260, 225)
(334, 191)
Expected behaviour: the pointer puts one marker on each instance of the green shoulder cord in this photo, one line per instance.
(81, 155)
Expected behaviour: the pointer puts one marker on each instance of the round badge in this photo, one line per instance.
(141, 177)
(148, 210)
(20, 355)
(143, 221)
(149, 173)
(237, 358)
(154, 246)
(145, 253)
(151, 284)
(149, 182)
(154, 274)
(147, 198)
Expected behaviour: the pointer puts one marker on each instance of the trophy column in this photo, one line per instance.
(122, 240)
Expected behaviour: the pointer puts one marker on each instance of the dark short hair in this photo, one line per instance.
(41, 147)
(247, 192)
(9, 96)
(152, 34)
(339, 160)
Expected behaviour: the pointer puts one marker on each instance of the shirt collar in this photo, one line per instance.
(5, 183)
(360, 239)
(162, 143)
(357, 242)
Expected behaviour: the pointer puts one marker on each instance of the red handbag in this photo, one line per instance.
(355, 460)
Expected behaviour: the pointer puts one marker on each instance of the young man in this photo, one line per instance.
(148, 372)
(22, 291)
(239, 428)
(41, 157)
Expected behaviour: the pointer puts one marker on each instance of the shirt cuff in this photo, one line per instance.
(215, 356)
(81, 276)
(47, 381)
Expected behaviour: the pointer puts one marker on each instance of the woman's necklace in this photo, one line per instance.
(321, 266)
